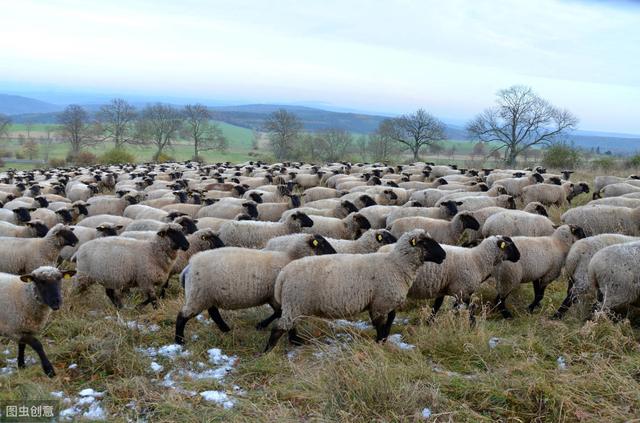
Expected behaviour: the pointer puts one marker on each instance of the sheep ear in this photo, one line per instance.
(26, 278)
(68, 274)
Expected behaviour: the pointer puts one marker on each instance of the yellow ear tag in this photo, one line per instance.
(503, 245)
(67, 276)
(315, 242)
(413, 242)
(379, 237)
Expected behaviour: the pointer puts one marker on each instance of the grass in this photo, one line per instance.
(495, 371)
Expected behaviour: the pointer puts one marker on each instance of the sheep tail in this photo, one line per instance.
(184, 274)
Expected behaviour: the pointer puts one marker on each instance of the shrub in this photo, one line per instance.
(561, 156)
(634, 161)
(5, 153)
(20, 155)
(117, 156)
(604, 163)
(83, 158)
(164, 158)
(57, 162)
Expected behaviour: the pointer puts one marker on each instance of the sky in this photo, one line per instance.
(385, 56)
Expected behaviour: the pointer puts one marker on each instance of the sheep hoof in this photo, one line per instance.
(50, 372)
(261, 326)
(557, 316)
(506, 314)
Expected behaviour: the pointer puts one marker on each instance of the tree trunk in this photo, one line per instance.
(511, 159)
(415, 154)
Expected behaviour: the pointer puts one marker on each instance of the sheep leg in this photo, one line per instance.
(214, 313)
(294, 339)
(570, 299)
(387, 326)
(472, 311)
(275, 336)
(379, 323)
(21, 348)
(151, 299)
(163, 289)
(436, 306)
(115, 299)
(538, 290)
(277, 312)
(181, 322)
(502, 307)
(37, 347)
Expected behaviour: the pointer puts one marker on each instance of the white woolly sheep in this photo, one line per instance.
(236, 278)
(251, 234)
(25, 304)
(443, 231)
(32, 229)
(342, 285)
(351, 227)
(604, 219)
(517, 223)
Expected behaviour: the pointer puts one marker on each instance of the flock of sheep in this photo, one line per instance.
(329, 241)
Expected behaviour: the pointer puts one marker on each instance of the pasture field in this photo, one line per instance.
(530, 368)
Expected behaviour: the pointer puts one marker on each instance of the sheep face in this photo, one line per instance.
(256, 196)
(385, 237)
(295, 201)
(42, 201)
(577, 232)
(511, 203)
(541, 210)
(47, 283)
(187, 223)
(214, 241)
(320, 246)
(22, 214)
(450, 207)
(39, 227)
(109, 230)
(304, 220)
(252, 209)
(367, 201)
(65, 215)
(178, 240)
(469, 222)
(65, 236)
(82, 208)
(431, 250)
(508, 248)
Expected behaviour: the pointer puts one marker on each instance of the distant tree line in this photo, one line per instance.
(120, 123)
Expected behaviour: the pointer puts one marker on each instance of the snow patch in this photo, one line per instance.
(360, 324)
(562, 363)
(155, 367)
(493, 342)
(219, 398)
(426, 413)
(396, 340)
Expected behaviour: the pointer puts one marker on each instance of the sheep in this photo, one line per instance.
(446, 210)
(602, 181)
(377, 215)
(141, 211)
(235, 278)
(577, 265)
(27, 202)
(351, 227)
(25, 304)
(319, 193)
(110, 205)
(517, 223)
(369, 242)
(52, 218)
(631, 203)
(215, 223)
(462, 272)
(23, 255)
(604, 219)
(476, 202)
(188, 224)
(15, 216)
(85, 235)
(31, 229)
(443, 231)
(541, 260)
(117, 263)
(613, 271)
(616, 190)
(514, 186)
(343, 285)
(81, 192)
(271, 212)
(557, 195)
(226, 209)
(251, 234)
(95, 221)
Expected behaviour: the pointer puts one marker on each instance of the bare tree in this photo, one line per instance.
(5, 124)
(159, 125)
(205, 134)
(115, 122)
(334, 144)
(28, 126)
(284, 131)
(363, 145)
(417, 130)
(519, 120)
(451, 152)
(382, 145)
(30, 148)
(75, 127)
(436, 148)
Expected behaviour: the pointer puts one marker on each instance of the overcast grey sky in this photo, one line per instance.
(449, 57)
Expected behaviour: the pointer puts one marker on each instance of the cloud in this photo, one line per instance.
(449, 57)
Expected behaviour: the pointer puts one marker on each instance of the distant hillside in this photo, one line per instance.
(15, 104)
(253, 116)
